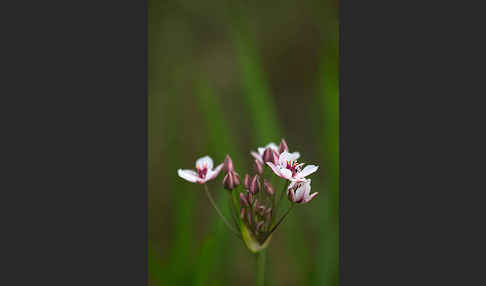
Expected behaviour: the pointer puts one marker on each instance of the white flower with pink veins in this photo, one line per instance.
(288, 168)
(204, 171)
(299, 192)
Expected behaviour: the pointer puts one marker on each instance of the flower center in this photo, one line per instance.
(292, 166)
(202, 171)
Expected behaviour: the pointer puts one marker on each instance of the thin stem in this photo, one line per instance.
(280, 199)
(281, 219)
(260, 257)
(211, 200)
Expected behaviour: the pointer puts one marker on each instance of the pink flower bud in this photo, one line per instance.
(268, 187)
(255, 203)
(255, 185)
(246, 182)
(248, 217)
(283, 146)
(229, 182)
(236, 177)
(228, 164)
(258, 166)
(268, 155)
(243, 200)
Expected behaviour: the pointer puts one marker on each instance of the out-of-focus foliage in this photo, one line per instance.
(226, 77)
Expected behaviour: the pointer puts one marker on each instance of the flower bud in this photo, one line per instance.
(242, 213)
(248, 217)
(258, 167)
(243, 200)
(236, 177)
(255, 185)
(268, 155)
(228, 164)
(229, 182)
(246, 182)
(268, 187)
(283, 146)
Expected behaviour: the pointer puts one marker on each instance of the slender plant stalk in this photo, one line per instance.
(281, 219)
(276, 208)
(211, 200)
(260, 257)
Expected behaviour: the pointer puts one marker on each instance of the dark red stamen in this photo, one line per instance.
(202, 172)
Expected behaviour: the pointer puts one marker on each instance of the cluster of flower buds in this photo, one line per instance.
(255, 202)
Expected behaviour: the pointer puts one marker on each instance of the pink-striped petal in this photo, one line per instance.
(274, 168)
(188, 175)
(204, 161)
(309, 169)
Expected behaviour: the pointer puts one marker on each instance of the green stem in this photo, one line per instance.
(281, 219)
(260, 257)
(211, 200)
(277, 207)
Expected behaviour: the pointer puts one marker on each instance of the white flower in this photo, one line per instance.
(288, 168)
(204, 171)
(274, 147)
(299, 192)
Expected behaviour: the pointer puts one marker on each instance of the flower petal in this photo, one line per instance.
(274, 168)
(284, 157)
(292, 184)
(295, 155)
(300, 192)
(308, 199)
(257, 156)
(188, 175)
(204, 161)
(286, 173)
(272, 145)
(261, 150)
(309, 169)
(213, 173)
(307, 188)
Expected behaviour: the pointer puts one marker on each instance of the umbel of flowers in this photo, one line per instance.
(254, 200)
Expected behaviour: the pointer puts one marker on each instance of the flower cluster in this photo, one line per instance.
(256, 204)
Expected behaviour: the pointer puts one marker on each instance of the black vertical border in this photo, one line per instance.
(76, 161)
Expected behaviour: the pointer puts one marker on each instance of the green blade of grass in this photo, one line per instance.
(170, 196)
(216, 249)
(257, 99)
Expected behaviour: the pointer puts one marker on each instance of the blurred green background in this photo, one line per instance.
(224, 78)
